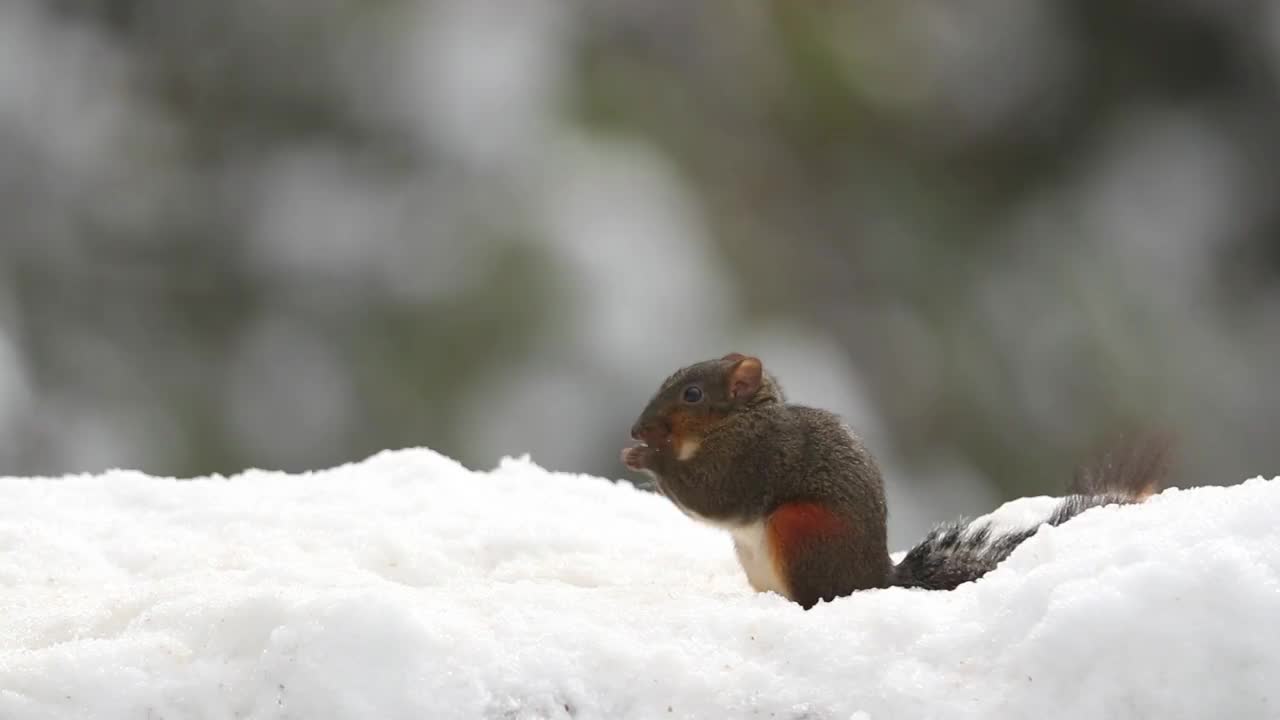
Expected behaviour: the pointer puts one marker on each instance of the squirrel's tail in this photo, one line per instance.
(1136, 466)
(1128, 471)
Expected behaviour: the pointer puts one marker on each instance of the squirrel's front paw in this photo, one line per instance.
(637, 458)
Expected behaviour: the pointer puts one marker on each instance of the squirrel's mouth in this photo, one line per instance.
(652, 434)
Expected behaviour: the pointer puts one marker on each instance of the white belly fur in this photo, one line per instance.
(754, 554)
(756, 557)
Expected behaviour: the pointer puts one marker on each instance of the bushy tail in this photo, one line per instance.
(1131, 469)
(1135, 466)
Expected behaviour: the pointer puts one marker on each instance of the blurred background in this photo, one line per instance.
(289, 235)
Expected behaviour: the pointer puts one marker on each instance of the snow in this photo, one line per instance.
(407, 586)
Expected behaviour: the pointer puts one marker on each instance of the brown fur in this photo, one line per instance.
(817, 491)
(759, 454)
(688, 427)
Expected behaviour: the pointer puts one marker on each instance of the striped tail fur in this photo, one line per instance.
(1129, 471)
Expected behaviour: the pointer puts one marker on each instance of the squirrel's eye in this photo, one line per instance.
(693, 394)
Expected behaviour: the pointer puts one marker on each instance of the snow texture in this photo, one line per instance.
(407, 586)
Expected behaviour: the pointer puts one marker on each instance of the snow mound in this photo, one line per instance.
(407, 586)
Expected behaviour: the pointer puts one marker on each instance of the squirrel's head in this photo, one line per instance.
(695, 399)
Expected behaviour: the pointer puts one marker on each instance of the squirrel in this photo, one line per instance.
(803, 498)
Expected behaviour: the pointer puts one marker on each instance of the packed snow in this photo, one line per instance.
(407, 586)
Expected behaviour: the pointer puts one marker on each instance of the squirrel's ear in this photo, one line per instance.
(745, 377)
(734, 357)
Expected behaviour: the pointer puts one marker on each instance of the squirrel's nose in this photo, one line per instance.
(648, 431)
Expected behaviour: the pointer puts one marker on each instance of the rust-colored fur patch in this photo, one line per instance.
(795, 528)
(687, 427)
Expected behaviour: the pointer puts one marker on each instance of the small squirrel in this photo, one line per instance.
(804, 500)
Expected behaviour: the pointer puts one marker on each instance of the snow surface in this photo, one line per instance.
(409, 587)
